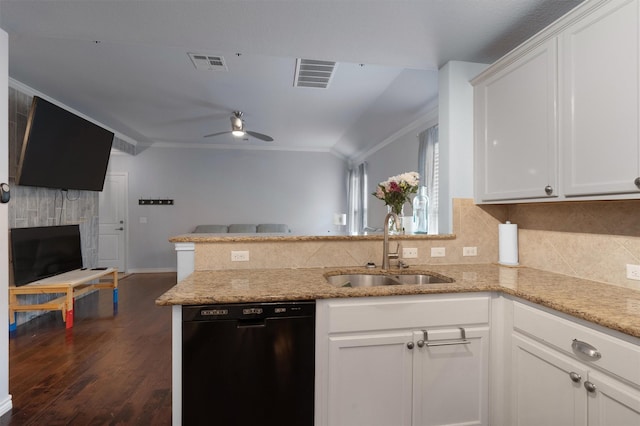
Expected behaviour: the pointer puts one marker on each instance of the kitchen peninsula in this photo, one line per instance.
(504, 311)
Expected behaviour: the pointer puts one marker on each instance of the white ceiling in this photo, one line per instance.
(125, 63)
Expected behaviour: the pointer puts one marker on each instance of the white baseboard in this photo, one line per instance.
(150, 270)
(5, 405)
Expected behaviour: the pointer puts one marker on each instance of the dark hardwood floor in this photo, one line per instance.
(107, 370)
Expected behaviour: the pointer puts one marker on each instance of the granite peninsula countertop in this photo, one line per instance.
(610, 306)
(267, 237)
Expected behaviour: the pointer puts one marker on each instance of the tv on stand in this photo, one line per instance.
(44, 251)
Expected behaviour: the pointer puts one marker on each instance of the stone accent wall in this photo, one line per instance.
(31, 206)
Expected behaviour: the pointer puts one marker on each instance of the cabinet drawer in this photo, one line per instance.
(386, 313)
(618, 357)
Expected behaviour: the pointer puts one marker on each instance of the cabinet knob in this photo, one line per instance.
(548, 189)
(637, 182)
(410, 345)
(575, 377)
(420, 343)
(590, 387)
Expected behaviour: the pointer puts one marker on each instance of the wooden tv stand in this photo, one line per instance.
(70, 284)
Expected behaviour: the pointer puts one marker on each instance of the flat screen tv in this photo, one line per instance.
(62, 150)
(44, 251)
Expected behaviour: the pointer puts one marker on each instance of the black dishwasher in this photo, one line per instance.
(248, 364)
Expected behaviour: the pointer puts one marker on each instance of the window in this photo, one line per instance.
(428, 167)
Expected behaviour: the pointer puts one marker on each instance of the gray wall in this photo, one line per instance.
(222, 186)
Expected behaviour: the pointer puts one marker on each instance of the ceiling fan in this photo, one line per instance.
(238, 130)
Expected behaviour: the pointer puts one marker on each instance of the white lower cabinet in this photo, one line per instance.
(553, 382)
(421, 368)
(370, 379)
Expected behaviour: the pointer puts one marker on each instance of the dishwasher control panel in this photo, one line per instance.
(251, 311)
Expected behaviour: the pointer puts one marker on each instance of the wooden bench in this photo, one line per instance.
(70, 284)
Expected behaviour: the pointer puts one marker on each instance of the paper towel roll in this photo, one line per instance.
(508, 243)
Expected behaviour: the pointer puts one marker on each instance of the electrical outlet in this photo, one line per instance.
(469, 251)
(240, 256)
(438, 252)
(409, 253)
(633, 272)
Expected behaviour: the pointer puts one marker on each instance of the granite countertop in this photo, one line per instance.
(613, 307)
(267, 237)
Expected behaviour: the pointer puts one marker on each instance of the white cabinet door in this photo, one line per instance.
(600, 101)
(612, 403)
(370, 379)
(451, 377)
(543, 392)
(516, 135)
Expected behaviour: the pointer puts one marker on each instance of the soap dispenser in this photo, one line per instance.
(420, 211)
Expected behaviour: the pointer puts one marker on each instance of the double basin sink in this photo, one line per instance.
(372, 280)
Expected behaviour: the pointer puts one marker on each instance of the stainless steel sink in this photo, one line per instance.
(361, 280)
(371, 280)
(420, 279)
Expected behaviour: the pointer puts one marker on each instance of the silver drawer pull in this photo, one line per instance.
(586, 349)
(461, 341)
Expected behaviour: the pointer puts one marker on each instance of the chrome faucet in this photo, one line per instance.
(386, 255)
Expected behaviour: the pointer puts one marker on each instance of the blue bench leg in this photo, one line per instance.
(14, 325)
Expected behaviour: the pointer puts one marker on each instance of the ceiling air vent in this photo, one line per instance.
(312, 73)
(208, 62)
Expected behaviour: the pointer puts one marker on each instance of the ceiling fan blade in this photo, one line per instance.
(215, 134)
(260, 136)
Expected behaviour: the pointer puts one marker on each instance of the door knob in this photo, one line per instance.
(120, 229)
(575, 377)
(590, 387)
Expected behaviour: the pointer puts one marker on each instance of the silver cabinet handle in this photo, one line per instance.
(120, 229)
(461, 341)
(637, 182)
(548, 190)
(420, 343)
(410, 345)
(575, 377)
(584, 348)
(590, 387)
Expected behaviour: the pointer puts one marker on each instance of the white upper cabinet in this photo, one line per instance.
(558, 118)
(516, 128)
(600, 95)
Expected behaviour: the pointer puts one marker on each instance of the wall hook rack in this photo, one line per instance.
(154, 202)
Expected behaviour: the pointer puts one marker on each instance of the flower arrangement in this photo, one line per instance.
(395, 190)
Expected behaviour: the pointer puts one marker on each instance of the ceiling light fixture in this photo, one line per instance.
(237, 127)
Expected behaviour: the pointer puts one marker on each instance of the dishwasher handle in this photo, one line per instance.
(251, 323)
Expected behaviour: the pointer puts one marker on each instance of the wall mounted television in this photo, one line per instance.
(62, 150)
(44, 251)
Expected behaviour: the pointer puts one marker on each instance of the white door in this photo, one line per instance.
(612, 402)
(601, 101)
(370, 379)
(451, 377)
(547, 386)
(516, 140)
(112, 238)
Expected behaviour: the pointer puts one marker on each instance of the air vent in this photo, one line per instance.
(208, 62)
(312, 73)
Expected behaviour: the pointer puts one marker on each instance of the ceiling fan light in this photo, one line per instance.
(237, 133)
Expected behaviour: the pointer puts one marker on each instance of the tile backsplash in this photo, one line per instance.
(593, 240)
